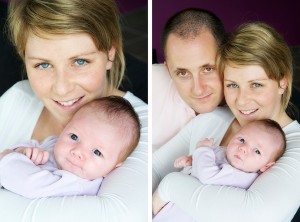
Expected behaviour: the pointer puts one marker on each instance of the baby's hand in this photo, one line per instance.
(35, 154)
(183, 162)
(205, 143)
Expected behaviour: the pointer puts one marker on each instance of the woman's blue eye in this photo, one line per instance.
(97, 152)
(74, 137)
(256, 85)
(43, 65)
(80, 62)
(232, 85)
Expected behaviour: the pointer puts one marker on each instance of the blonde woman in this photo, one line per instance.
(72, 51)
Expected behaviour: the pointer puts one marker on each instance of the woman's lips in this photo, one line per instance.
(69, 104)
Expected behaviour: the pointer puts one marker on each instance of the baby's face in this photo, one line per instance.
(252, 148)
(88, 147)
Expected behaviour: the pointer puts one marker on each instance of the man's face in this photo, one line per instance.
(191, 64)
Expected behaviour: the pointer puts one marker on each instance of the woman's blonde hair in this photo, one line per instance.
(259, 44)
(98, 18)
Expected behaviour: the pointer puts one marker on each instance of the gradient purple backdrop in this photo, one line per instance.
(282, 15)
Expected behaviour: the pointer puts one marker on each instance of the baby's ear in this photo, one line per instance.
(267, 167)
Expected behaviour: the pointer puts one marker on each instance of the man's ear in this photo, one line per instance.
(111, 56)
(166, 65)
(267, 167)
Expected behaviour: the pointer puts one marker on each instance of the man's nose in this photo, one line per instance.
(199, 85)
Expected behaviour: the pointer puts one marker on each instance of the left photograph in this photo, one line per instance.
(73, 110)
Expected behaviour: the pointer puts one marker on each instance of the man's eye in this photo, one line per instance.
(182, 73)
(208, 69)
(97, 152)
(257, 152)
(74, 137)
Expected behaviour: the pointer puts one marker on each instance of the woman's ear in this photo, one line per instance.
(111, 56)
(283, 84)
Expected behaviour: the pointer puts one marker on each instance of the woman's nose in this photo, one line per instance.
(63, 83)
(243, 97)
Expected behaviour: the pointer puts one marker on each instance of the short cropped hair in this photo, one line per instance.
(259, 44)
(97, 18)
(188, 23)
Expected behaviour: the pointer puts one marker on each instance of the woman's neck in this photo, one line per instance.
(47, 126)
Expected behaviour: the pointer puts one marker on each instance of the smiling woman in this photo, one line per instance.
(72, 51)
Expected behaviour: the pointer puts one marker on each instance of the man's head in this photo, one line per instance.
(190, 41)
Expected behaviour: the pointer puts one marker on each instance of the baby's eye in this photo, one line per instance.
(257, 151)
(242, 140)
(97, 152)
(74, 137)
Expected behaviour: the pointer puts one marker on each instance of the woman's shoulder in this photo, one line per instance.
(19, 90)
(292, 129)
(135, 101)
(220, 113)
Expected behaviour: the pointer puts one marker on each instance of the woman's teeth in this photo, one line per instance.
(68, 103)
(247, 112)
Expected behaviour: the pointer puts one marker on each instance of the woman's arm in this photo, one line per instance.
(123, 194)
(163, 159)
(274, 196)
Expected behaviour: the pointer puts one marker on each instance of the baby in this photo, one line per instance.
(251, 151)
(98, 138)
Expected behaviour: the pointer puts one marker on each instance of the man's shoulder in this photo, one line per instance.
(160, 73)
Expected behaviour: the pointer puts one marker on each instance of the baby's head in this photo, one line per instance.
(99, 137)
(256, 146)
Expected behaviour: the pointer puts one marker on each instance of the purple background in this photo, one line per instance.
(282, 15)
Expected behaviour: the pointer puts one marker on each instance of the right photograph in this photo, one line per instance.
(225, 111)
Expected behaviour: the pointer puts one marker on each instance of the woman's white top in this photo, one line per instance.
(123, 193)
(274, 196)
